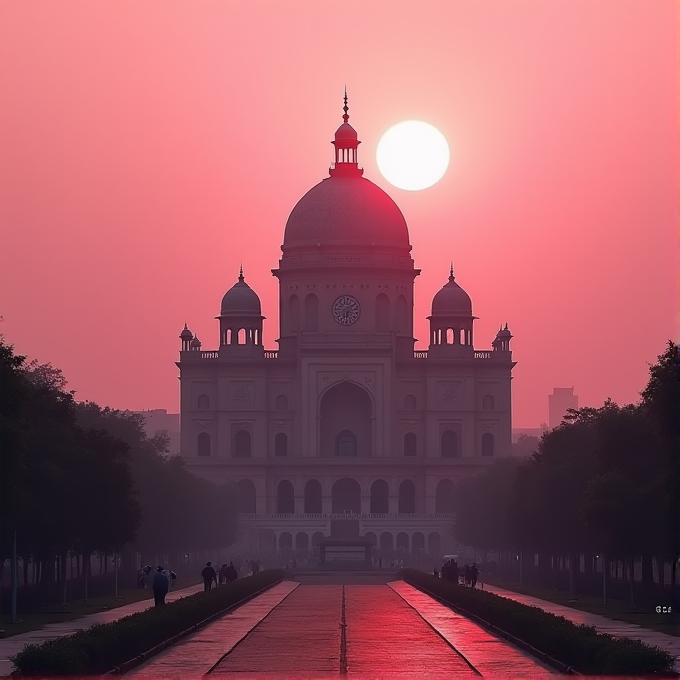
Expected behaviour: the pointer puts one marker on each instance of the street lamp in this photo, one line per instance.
(604, 578)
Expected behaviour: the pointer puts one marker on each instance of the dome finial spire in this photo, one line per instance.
(451, 276)
(240, 272)
(345, 108)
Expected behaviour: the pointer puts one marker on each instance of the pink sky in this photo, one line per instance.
(146, 148)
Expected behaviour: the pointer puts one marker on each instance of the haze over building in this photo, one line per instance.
(345, 419)
(562, 399)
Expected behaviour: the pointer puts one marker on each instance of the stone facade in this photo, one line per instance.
(345, 419)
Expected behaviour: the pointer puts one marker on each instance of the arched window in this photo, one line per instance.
(449, 336)
(203, 402)
(242, 444)
(346, 444)
(410, 402)
(281, 403)
(407, 496)
(301, 541)
(382, 313)
(449, 444)
(487, 444)
(294, 313)
(487, 402)
(280, 445)
(285, 498)
(241, 336)
(203, 444)
(286, 541)
(410, 444)
(312, 313)
(402, 541)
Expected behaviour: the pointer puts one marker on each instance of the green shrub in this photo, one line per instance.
(581, 647)
(101, 648)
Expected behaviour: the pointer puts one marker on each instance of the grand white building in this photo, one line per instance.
(346, 418)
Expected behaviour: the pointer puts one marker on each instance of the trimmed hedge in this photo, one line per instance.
(579, 646)
(100, 648)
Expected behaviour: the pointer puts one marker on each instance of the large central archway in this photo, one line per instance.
(346, 495)
(346, 422)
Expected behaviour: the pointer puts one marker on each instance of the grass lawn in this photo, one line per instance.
(618, 610)
(58, 613)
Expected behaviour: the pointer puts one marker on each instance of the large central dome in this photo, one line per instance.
(347, 210)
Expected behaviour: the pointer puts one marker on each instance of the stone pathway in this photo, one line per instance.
(605, 625)
(490, 655)
(295, 631)
(387, 638)
(301, 637)
(196, 654)
(13, 645)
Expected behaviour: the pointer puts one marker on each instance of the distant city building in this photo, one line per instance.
(345, 421)
(559, 401)
(528, 431)
(159, 421)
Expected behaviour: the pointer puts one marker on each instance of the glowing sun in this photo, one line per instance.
(413, 155)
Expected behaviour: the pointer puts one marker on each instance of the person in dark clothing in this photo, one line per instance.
(454, 573)
(232, 574)
(209, 575)
(466, 574)
(160, 587)
(224, 574)
(474, 573)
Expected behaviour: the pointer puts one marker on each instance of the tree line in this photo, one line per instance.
(78, 478)
(605, 482)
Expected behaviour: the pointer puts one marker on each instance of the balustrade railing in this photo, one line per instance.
(210, 355)
(346, 515)
(420, 354)
(483, 355)
(271, 354)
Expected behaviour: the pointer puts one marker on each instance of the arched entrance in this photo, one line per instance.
(407, 497)
(346, 422)
(346, 495)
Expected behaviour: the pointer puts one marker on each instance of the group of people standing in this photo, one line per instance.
(454, 574)
(226, 574)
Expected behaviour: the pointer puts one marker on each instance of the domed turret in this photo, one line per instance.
(451, 320)
(502, 341)
(186, 336)
(241, 299)
(451, 299)
(241, 316)
(195, 344)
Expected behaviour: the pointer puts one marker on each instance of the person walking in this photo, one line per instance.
(232, 574)
(474, 573)
(224, 574)
(209, 575)
(466, 575)
(160, 587)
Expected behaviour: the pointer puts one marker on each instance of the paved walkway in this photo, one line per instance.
(13, 645)
(196, 654)
(605, 625)
(295, 630)
(490, 655)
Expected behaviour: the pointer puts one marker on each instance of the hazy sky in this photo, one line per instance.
(147, 148)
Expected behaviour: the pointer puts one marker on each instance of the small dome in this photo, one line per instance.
(241, 300)
(186, 334)
(345, 131)
(451, 300)
(195, 343)
(504, 332)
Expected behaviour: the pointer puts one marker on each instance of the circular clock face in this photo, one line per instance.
(346, 310)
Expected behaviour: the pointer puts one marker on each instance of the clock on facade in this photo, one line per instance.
(346, 310)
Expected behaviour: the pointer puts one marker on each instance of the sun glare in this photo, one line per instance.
(413, 155)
